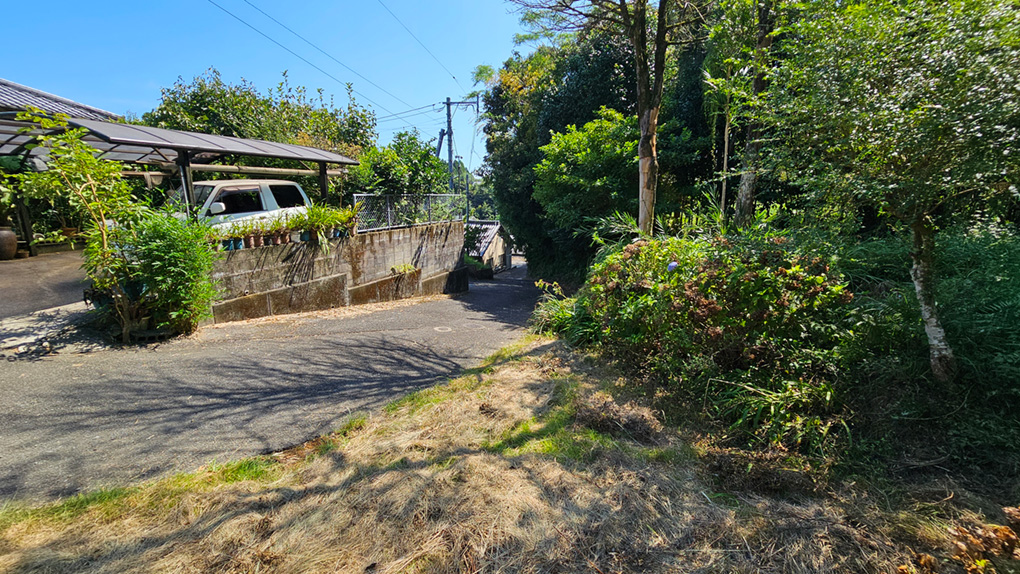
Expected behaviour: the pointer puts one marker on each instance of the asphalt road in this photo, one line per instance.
(71, 422)
(41, 282)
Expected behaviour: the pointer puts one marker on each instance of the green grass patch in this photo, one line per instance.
(325, 447)
(108, 500)
(351, 426)
(553, 433)
(259, 468)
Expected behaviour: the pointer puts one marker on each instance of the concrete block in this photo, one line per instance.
(242, 308)
(325, 293)
(387, 289)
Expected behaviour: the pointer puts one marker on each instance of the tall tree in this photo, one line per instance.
(912, 106)
(526, 101)
(765, 23)
(651, 29)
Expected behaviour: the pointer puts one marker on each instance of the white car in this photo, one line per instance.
(226, 201)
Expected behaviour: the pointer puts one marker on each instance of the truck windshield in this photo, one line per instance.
(201, 194)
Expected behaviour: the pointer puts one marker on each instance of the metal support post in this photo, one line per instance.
(323, 182)
(184, 164)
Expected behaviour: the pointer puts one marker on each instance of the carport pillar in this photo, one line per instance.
(184, 164)
(25, 223)
(323, 182)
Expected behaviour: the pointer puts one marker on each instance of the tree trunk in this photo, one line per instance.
(650, 70)
(744, 208)
(725, 161)
(943, 364)
(648, 169)
(752, 147)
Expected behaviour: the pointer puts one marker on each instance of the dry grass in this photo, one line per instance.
(490, 473)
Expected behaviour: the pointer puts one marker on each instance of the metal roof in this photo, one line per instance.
(489, 231)
(146, 145)
(14, 96)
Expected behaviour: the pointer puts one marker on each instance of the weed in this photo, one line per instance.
(351, 426)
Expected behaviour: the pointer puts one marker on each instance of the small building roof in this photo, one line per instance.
(156, 146)
(16, 97)
(489, 231)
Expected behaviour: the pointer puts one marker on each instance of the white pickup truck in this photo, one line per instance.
(226, 201)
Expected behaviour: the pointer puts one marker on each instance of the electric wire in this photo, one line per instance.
(298, 56)
(327, 54)
(422, 44)
(405, 117)
(432, 106)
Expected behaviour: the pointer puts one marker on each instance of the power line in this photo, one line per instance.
(328, 55)
(423, 128)
(422, 44)
(432, 106)
(404, 117)
(296, 55)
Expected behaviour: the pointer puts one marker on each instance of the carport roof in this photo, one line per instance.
(147, 145)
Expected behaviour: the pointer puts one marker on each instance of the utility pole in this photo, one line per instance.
(449, 131)
(449, 142)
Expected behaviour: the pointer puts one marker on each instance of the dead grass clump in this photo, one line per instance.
(601, 412)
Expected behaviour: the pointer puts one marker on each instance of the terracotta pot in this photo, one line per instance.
(8, 243)
(249, 241)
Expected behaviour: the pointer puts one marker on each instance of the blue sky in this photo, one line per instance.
(116, 55)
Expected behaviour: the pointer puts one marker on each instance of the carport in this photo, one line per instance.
(164, 153)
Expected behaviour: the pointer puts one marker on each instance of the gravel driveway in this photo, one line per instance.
(75, 421)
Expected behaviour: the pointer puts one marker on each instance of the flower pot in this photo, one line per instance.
(295, 236)
(284, 237)
(8, 243)
(249, 241)
(276, 239)
(238, 243)
(257, 241)
(306, 236)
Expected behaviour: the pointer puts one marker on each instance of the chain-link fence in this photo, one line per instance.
(385, 211)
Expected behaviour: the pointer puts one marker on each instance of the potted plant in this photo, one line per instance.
(277, 229)
(243, 229)
(296, 224)
(258, 232)
(318, 220)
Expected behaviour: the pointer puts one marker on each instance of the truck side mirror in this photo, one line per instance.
(217, 208)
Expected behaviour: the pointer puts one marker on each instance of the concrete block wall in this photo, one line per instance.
(297, 277)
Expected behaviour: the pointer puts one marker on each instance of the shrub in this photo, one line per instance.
(750, 326)
(173, 261)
